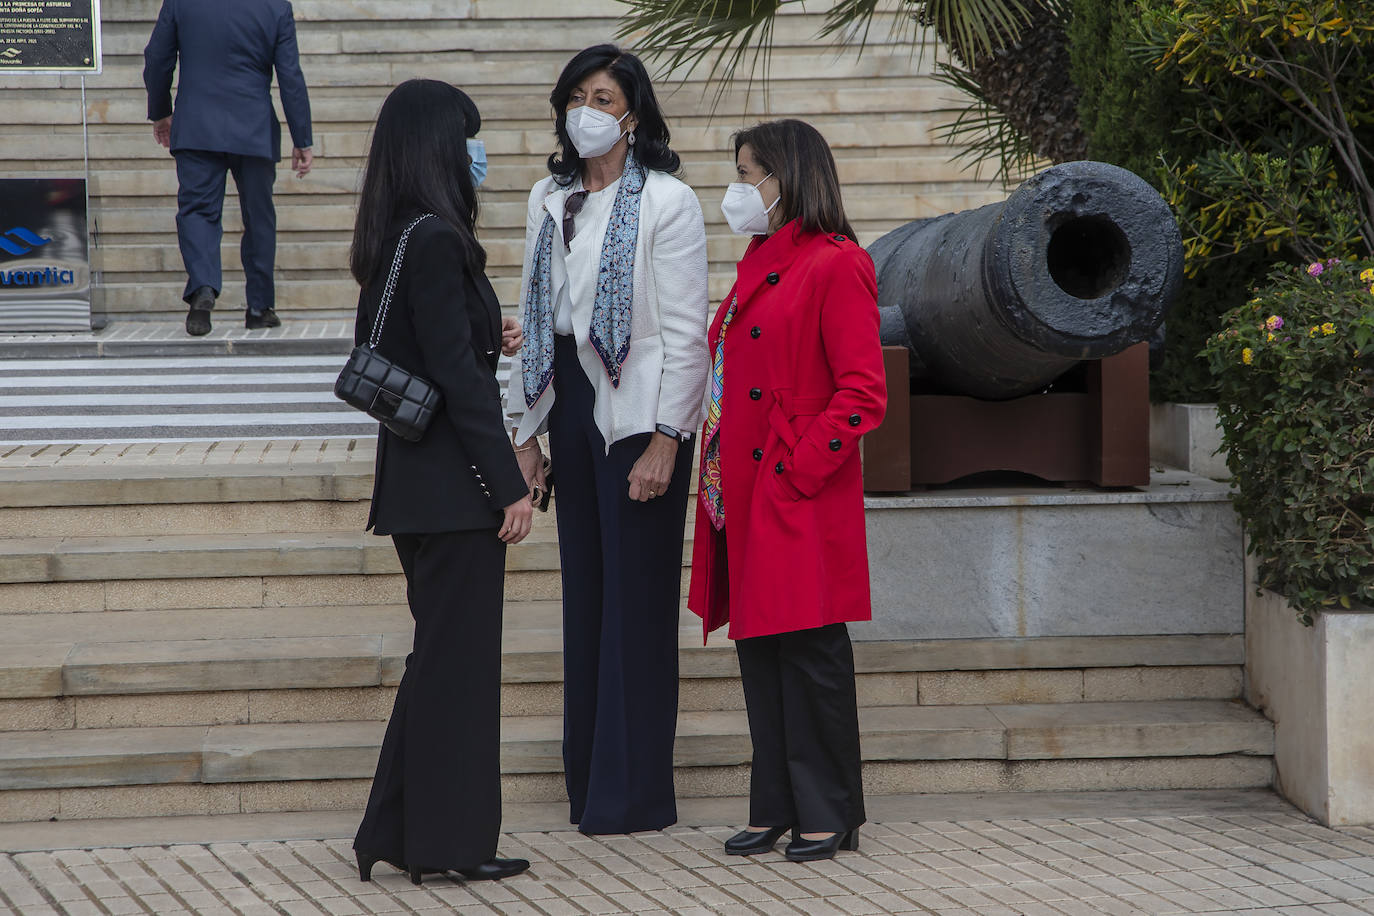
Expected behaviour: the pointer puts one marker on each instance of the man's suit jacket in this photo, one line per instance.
(444, 324)
(228, 49)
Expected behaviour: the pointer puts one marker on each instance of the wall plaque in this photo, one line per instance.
(39, 35)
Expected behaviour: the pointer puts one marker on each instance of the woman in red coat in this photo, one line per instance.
(779, 551)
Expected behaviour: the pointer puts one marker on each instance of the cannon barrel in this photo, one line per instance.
(1081, 261)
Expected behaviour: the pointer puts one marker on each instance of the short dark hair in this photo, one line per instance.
(798, 156)
(417, 163)
(651, 131)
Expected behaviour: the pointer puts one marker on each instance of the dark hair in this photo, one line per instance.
(651, 131)
(798, 156)
(418, 163)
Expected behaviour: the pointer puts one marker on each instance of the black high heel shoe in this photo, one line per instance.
(493, 869)
(366, 861)
(753, 842)
(800, 850)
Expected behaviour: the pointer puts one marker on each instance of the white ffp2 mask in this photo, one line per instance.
(743, 207)
(594, 132)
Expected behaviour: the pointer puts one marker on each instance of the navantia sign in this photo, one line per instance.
(45, 270)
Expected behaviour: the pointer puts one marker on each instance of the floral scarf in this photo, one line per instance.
(610, 330)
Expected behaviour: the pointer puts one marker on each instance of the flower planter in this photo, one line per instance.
(1317, 685)
(1187, 436)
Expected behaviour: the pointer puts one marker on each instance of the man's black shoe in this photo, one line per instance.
(264, 319)
(198, 316)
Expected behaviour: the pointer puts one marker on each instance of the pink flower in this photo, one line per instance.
(1315, 268)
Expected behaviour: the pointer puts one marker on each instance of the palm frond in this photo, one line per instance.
(684, 33)
(975, 27)
(988, 137)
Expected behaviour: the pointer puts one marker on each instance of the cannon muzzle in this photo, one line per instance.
(1080, 262)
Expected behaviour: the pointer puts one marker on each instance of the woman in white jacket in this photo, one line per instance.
(614, 366)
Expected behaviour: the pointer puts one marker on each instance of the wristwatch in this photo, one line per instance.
(674, 432)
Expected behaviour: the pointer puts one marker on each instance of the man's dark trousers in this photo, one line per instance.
(200, 204)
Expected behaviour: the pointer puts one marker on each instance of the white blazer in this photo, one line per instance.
(663, 379)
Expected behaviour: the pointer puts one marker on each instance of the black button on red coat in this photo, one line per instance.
(772, 278)
(755, 332)
(755, 394)
(779, 467)
(854, 419)
(835, 445)
(758, 454)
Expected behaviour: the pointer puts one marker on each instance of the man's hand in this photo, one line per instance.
(512, 336)
(162, 131)
(653, 472)
(518, 521)
(301, 160)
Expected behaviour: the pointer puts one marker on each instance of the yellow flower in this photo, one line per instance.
(1271, 337)
(1328, 328)
(1367, 275)
(1247, 356)
(1312, 332)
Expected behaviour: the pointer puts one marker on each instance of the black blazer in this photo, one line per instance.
(444, 325)
(228, 51)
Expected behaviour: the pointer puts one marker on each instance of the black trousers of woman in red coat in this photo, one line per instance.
(804, 722)
(436, 799)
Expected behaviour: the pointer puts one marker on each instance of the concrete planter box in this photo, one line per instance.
(1187, 436)
(1317, 685)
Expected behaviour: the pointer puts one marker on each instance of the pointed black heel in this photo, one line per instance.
(753, 842)
(366, 861)
(800, 850)
(416, 875)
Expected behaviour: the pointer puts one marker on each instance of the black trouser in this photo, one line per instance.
(436, 799)
(804, 721)
(200, 204)
(622, 576)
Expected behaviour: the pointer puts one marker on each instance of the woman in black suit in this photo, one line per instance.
(451, 502)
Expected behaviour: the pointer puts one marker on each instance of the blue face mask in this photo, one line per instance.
(477, 152)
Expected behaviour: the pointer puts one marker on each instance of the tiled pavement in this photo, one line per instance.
(1251, 854)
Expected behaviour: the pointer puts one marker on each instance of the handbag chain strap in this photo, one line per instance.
(376, 336)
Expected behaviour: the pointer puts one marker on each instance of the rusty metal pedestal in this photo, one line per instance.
(1100, 435)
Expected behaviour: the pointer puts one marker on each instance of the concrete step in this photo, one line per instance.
(210, 556)
(531, 745)
(82, 660)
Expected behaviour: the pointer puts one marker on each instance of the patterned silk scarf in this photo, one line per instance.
(710, 489)
(610, 330)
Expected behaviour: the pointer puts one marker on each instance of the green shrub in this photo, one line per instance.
(1294, 369)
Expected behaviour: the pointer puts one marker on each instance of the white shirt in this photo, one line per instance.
(582, 262)
(663, 379)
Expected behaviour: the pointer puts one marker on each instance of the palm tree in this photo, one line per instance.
(1010, 56)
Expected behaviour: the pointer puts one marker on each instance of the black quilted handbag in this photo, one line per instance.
(402, 401)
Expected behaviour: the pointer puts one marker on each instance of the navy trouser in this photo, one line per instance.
(200, 203)
(622, 579)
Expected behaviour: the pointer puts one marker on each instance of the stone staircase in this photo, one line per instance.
(200, 639)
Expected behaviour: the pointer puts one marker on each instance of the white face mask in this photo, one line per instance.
(594, 132)
(743, 207)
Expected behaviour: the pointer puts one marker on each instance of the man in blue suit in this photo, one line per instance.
(224, 122)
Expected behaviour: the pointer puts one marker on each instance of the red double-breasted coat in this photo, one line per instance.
(803, 382)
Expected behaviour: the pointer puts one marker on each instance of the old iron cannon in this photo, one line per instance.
(995, 311)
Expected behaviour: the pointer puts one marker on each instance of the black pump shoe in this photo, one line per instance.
(800, 850)
(493, 869)
(753, 842)
(366, 861)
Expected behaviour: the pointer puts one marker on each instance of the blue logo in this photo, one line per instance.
(28, 241)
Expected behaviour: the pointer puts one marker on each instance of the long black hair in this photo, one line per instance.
(651, 131)
(809, 184)
(418, 163)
